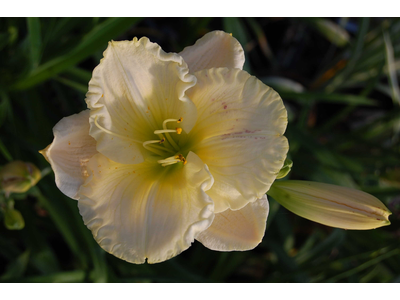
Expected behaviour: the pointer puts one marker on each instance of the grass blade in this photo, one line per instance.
(17, 268)
(331, 31)
(394, 85)
(305, 98)
(75, 85)
(61, 277)
(5, 152)
(35, 41)
(354, 58)
(365, 265)
(62, 221)
(95, 40)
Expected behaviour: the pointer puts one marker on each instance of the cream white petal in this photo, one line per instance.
(133, 90)
(215, 49)
(238, 135)
(237, 230)
(144, 210)
(70, 151)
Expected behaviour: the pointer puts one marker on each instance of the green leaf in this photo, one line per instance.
(8, 249)
(356, 52)
(17, 268)
(331, 31)
(79, 74)
(35, 40)
(4, 107)
(62, 220)
(372, 262)
(333, 240)
(75, 85)
(394, 85)
(281, 84)
(262, 39)
(95, 40)
(5, 152)
(61, 277)
(329, 98)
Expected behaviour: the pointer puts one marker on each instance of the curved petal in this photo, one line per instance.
(237, 230)
(215, 49)
(133, 90)
(70, 151)
(144, 210)
(238, 135)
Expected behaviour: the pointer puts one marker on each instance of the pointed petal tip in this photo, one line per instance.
(44, 152)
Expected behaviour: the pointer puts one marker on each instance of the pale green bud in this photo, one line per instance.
(18, 177)
(331, 205)
(287, 166)
(13, 219)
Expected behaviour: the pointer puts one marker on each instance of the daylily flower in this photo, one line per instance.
(331, 205)
(174, 147)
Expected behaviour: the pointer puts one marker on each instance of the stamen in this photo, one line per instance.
(170, 163)
(172, 160)
(177, 130)
(181, 158)
(113, 133)
(170, 140)
(153, 141)
(164, 125)
(150, 145)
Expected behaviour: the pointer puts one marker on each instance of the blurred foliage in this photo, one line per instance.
(338, 80)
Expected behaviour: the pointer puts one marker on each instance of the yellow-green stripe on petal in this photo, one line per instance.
(331, 205)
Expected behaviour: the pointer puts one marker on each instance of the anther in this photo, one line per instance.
(172, 160)
(171, 120)
(170, 140)
(178, 130)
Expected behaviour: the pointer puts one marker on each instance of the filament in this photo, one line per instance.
(113, 133)
(152, 142)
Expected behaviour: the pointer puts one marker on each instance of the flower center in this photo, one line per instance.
(165, 144)
(161, 147)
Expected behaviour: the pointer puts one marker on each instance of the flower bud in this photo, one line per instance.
(13, 219)
(331, 205)
(287, 166)
(18, 177)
